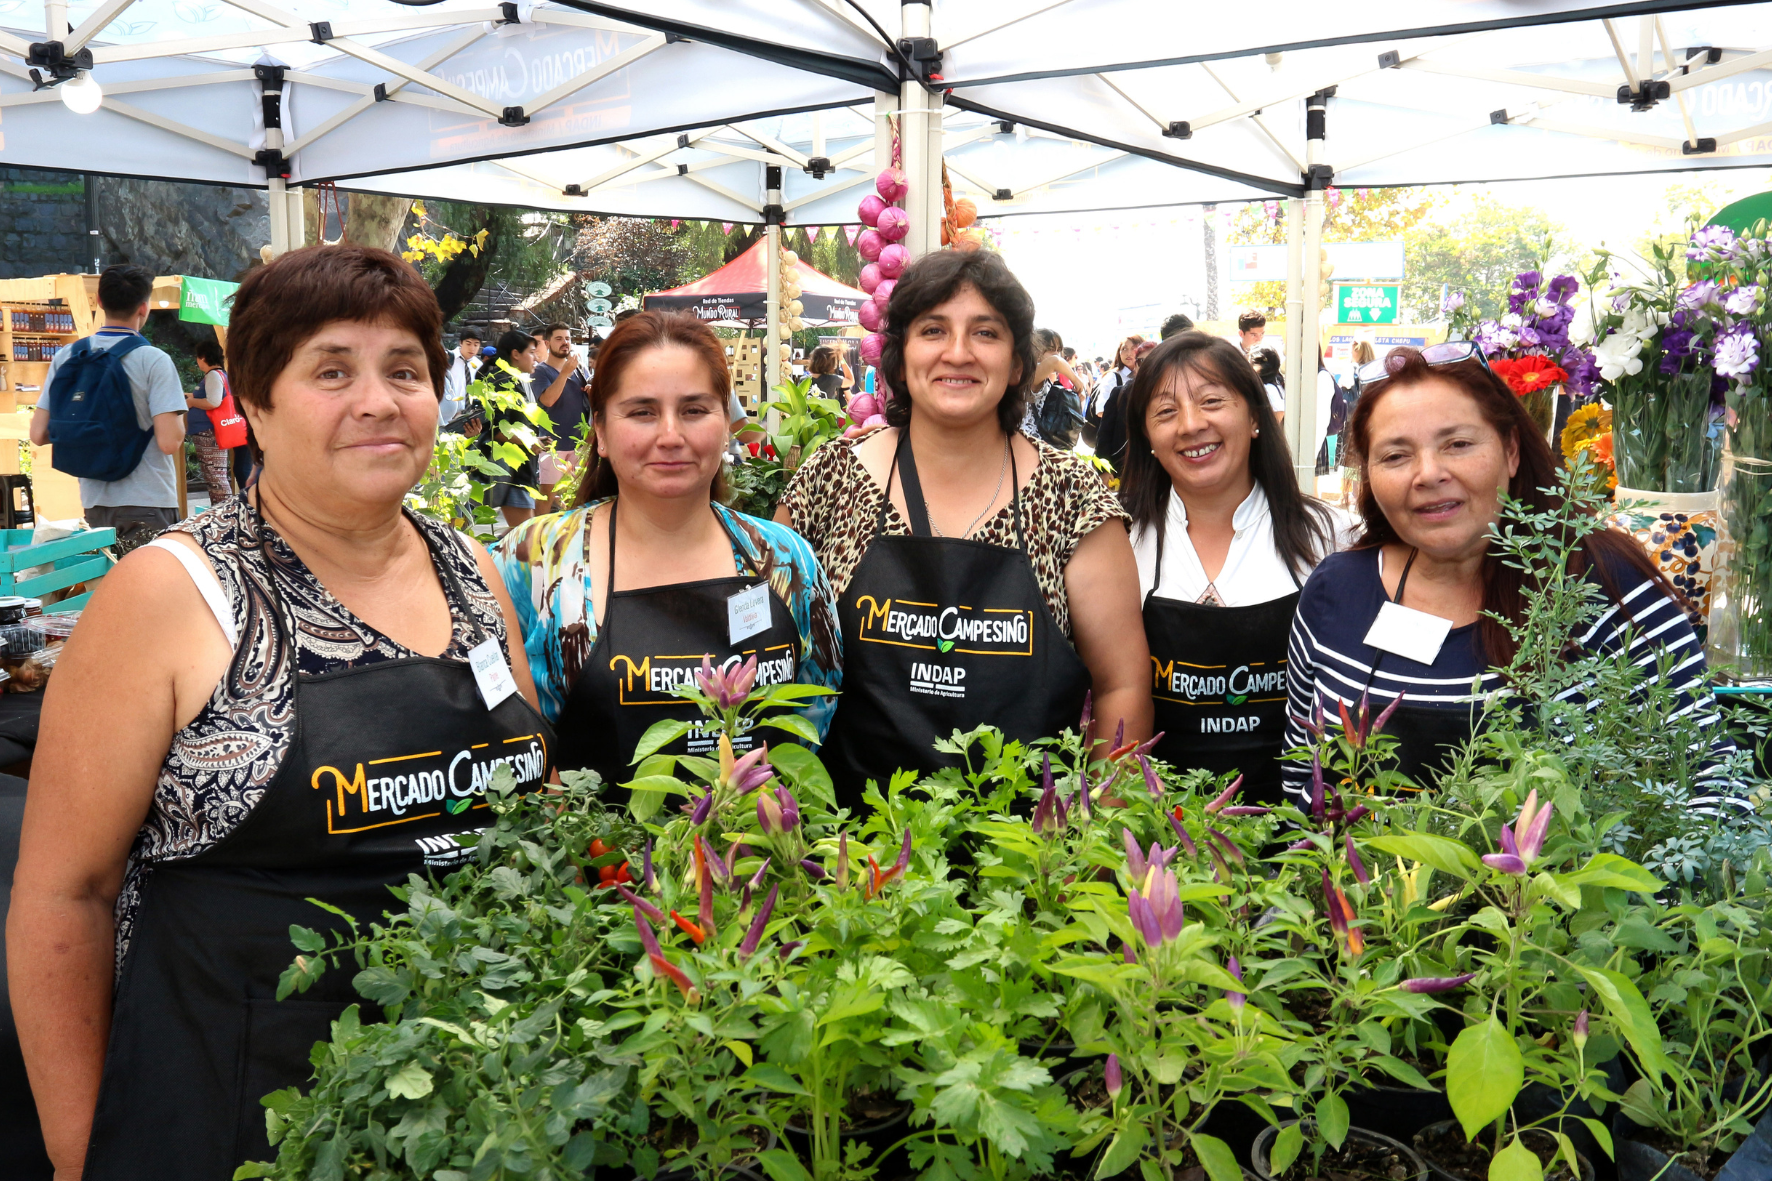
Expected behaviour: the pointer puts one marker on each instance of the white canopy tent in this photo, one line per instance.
(686, 108)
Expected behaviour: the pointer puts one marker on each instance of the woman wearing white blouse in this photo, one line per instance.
(1224, 540)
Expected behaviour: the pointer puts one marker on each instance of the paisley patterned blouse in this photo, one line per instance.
(550, 590)
(220, 765)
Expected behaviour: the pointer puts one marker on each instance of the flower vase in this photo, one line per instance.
(1541, 405)
(1680, 531)
(1663, 434)
(1740, 647)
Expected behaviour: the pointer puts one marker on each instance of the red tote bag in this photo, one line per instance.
(229, 423)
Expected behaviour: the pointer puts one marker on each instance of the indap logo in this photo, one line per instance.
(987, 631)
(406, 788)
(654, 680)
(1194, 684)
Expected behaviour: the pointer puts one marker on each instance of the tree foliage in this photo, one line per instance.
(1349, 215)
(1478, 250)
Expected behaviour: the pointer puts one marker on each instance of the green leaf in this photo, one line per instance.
(1221, 1163)
(666, 784)
(1287, 1145)
(660, 735)
(1601, 1133)
(1516, 1162)
(1609, 869)
(1332, 1118)
(1443, 853)
(1630, 1012)
(794, 724)
(775, 1078)
(782, 1165)
(804, 773)
(1561, 889)
(306, 940)
(1483, 1075)
(409, 1082)
(255, 1169)
(1123, 1150)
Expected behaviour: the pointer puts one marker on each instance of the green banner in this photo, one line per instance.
(1366, 303)
(205, 301)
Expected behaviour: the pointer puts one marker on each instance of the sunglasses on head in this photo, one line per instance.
(1450, 353)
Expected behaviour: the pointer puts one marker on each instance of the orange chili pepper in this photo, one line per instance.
(666, 968)
(689, 928)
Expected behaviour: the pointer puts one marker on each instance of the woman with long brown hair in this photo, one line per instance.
(1416, 607)
(619, 607)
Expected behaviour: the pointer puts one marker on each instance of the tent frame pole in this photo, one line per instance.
(277, 194)
(914, 119)
(773, 343)
(1317, 177)
(1298, 386)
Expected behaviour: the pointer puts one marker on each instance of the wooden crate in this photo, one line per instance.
(74, 559)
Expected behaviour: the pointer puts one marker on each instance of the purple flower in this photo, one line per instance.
(1579, 1033)
(1743, 301)
(1451, 303)
(1712, 243)
(1421, 984)
(1700, 294)
(1738, 352)
(747, 948)
(1112, 1073)
(1236, 999)
(1562, 289)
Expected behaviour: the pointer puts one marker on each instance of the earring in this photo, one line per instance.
(1257, 433)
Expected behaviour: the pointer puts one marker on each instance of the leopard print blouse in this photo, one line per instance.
(836, 506)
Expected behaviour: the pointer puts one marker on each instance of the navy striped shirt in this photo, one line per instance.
(1330, 663)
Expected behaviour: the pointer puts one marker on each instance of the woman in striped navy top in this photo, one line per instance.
(1438, 437)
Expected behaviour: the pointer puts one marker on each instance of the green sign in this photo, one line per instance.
(1366, 303)
(205, 301)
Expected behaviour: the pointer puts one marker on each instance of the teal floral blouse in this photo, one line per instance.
(552, 589)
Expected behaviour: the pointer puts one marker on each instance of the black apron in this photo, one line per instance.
(387, 761)
(943, 634)
(1218, 685)
(651, 641)
(1427, 737)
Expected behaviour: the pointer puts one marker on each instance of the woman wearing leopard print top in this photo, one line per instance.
(982, 578)
(272, 704)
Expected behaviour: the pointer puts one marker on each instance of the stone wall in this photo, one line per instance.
(172, 229)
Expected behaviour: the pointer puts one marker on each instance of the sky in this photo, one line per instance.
(1097, 276)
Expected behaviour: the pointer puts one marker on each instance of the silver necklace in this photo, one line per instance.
(967, 532)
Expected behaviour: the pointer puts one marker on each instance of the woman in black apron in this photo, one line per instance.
(986, 579)
(623, 597)
(1224, 539)
(1416, 608)
(302, 694)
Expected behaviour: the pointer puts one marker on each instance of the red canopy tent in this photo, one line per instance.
(736, 294)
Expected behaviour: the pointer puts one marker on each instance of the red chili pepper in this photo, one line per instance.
(689, 928)
(606, 873)
(622, 876)
(666, 968)
(598, 848)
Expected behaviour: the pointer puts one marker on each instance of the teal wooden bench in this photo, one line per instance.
(74, 559)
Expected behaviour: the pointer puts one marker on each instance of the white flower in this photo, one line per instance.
(1511, 320)
(1547, 307)
(1638, 322)
(1743, 301)
(1582, 329)
(1616, 356)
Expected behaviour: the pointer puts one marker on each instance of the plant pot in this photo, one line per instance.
(742, 1169)
(1639, 1162)
(1060, 1054)
(1681, 532)
(1753, 1158)
(1740, 647)
(878, 1134)
(1446, 1172)
(1264, 1143)
(1397, 1112)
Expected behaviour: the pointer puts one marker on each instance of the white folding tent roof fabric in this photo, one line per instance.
(675, 107)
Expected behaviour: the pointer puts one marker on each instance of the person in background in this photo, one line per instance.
(511, 493)
(1224, 539)
(1174, 324)
(1273, 382)
(1111, 442)
(1102, 402)
(259, 652)
(144, 502)
(1251, 328)
(822, 364)
(1052, 371)
(1439, 438)
(1331, 416)
(464, 363)
(212, 461)
(559, 385)
(952, 506)
(647, 568)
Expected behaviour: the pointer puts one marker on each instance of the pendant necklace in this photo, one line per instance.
(967, 532)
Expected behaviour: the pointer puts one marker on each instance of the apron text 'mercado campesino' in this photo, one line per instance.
(943, 634)
(388, 762)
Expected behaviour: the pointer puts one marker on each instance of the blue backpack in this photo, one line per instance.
(93, 429)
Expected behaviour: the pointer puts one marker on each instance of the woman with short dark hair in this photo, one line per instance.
(1224, 540)
(303, 694)
(982, 578)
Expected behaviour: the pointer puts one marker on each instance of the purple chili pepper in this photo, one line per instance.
(1236, 999)
(1150, 777)
(1187, 842)
(1354, 862)
(1227, 795)
(1358, 814)
(1384, 715)
(706, 913)
(749, 946)
(1112, 1073)
(1229, 846)
(647, 939)
(650, 878)
(814, 870)
(1245, 810)
(1317, 787)
(788, 949)
(1435, 983)
(702, 808)
(640, 904)
(756, 882)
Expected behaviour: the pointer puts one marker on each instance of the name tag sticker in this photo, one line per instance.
(1411, 634)
(747, 613)
(491, 672)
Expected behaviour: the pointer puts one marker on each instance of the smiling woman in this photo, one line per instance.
(951, 522)
(619, 608)
(254, 671)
